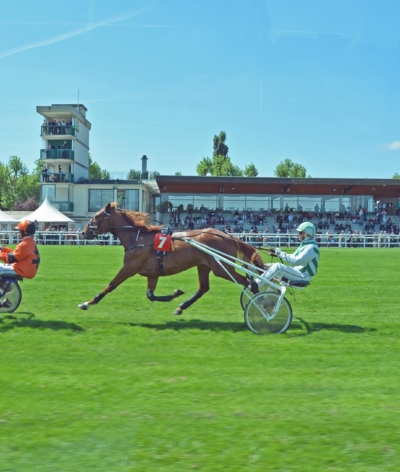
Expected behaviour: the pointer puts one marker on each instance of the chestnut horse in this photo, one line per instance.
(141, 258)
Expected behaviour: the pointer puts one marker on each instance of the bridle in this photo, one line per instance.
(96, 227)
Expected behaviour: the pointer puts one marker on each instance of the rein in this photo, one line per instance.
(111, 229)
(96, 225)
(134, 246)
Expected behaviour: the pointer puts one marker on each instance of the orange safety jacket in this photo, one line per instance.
(24, 259)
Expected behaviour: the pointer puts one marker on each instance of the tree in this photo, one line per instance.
(96, 172)
(17, 169)
(154, 174)
(288, 168)
(220, 164)
(250, 170)
(28, 186)
(204, 167)
(220, 148)
(17, 184)
(29, 205)
(134, 174)
(178, 173)
(235, 171)
(6, 195)
(396, 176)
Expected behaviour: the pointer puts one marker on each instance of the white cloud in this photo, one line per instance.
(394, 146)
(71, 34)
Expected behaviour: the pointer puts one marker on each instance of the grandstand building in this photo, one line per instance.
(65, 181)
(277, 194)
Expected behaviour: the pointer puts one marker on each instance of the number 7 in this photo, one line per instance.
(162, 241)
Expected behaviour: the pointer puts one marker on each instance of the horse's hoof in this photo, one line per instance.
(178, 311)
(178, 292)
(84, 306)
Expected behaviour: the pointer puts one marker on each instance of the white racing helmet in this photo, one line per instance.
(308, 228)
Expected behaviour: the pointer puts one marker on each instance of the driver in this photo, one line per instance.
(24, 259)
(305, 259)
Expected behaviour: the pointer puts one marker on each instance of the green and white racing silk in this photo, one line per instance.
(305, 258)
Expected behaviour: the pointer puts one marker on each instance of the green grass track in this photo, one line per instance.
(127, 386)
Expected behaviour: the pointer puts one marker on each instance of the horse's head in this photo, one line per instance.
(113, 220)
(100, 222)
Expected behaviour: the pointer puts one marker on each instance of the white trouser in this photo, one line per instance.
(6, 269)
(278, 270)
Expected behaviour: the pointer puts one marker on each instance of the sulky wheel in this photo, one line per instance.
(257, 314)
(10, 296)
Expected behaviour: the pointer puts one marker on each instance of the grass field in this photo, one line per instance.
(127, 386)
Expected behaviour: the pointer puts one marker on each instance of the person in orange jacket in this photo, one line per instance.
(25, 258)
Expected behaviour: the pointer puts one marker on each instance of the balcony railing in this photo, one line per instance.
(53, 177)
(65, 154)
(114, 176)
(57, 154)
(48, 154)
(64, 206)
(54, 130)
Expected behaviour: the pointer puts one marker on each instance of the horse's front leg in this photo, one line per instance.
(151, 286)
(122, 275)
(203, 272)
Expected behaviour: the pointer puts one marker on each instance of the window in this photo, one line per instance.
(99, 198)
(132, 200)
(208, 201)
(48, 191)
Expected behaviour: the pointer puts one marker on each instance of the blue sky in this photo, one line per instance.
(315, 81)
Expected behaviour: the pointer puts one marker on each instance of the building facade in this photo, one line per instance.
(65, 177)
(276, 194)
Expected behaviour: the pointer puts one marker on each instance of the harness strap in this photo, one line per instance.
(134, 245)
(161, 264)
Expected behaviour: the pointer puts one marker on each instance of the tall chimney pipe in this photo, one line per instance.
(145, 174)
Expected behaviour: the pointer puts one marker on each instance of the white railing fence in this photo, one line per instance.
(377, 240)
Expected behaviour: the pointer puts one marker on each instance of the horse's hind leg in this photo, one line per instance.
(204, 286)
(151, 286)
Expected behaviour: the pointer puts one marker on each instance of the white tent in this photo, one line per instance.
(47, 213)
(4, 218)
(6, 221)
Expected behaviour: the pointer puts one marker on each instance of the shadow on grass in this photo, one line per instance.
(297, 324)
(11, 321)
(312, 327)
(181, 324)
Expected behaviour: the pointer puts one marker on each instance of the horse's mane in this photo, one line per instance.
(137, 218)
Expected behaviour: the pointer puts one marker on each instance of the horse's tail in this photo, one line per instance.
(249, 253)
